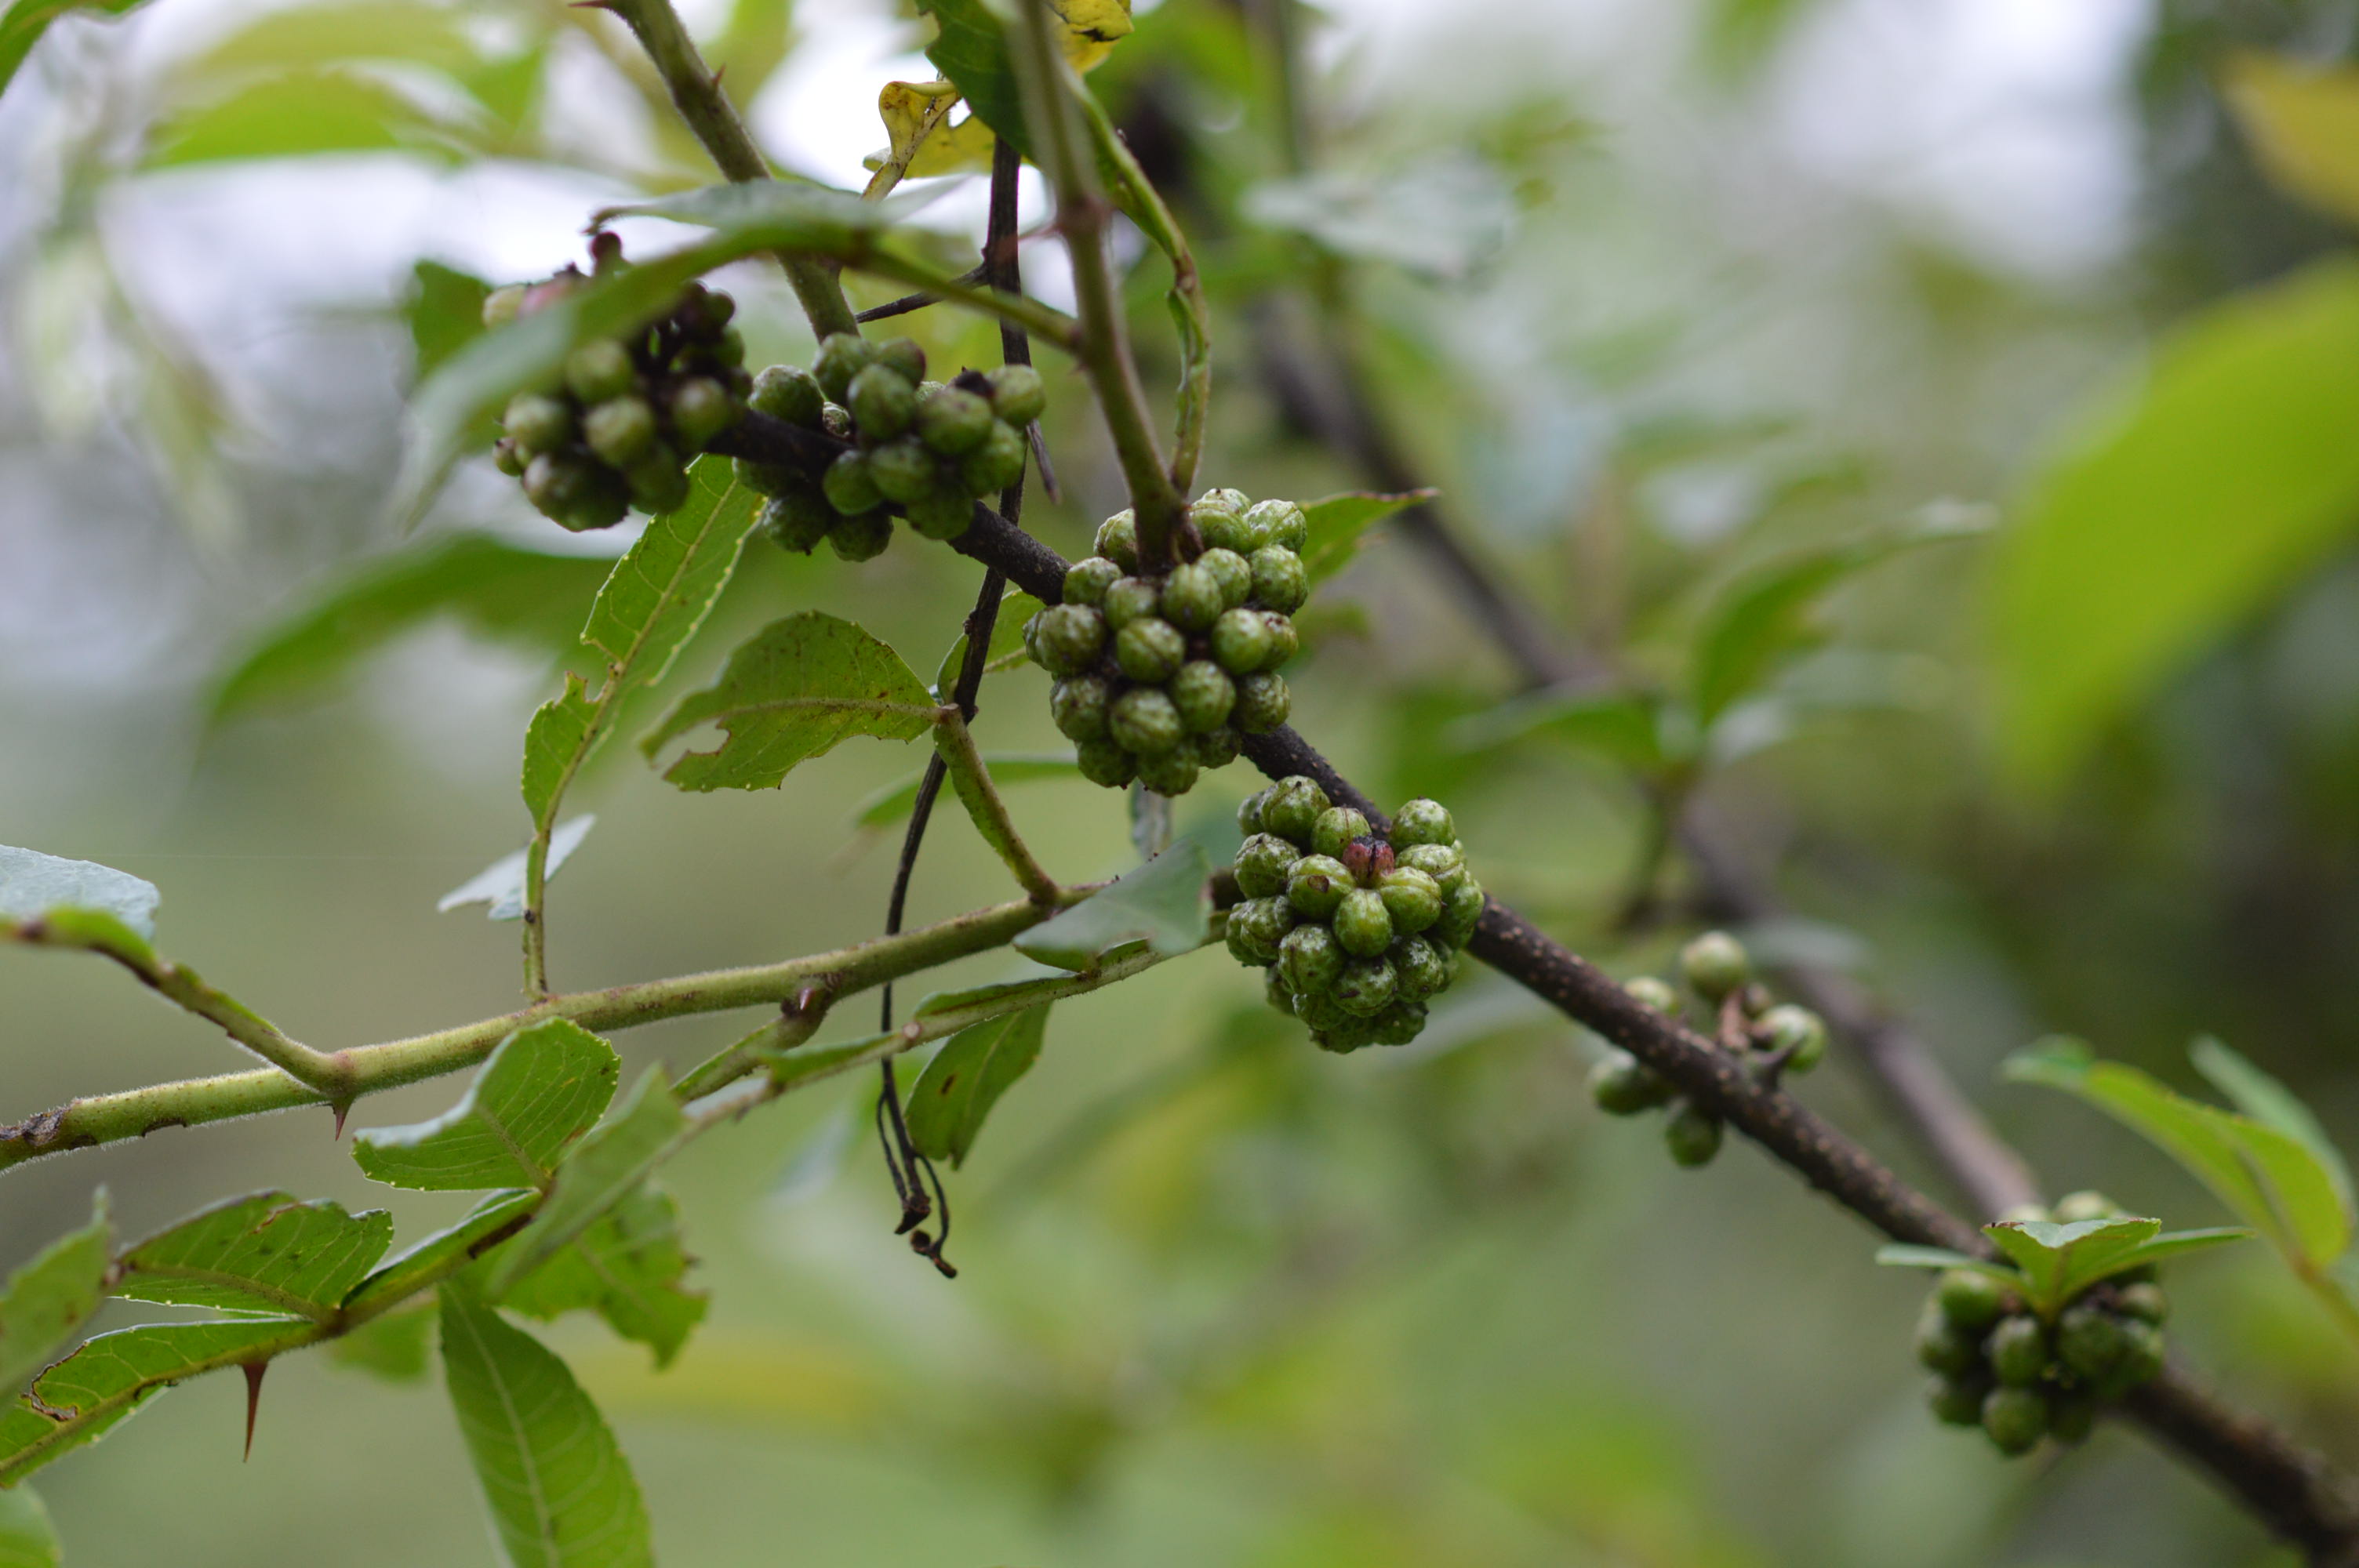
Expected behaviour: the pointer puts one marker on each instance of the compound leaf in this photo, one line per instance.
(544, 1087)
(2270, 1103)
(967, 1078)
(269, 1252)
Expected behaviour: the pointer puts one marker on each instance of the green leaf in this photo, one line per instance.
(1339, 522)
(895, 800)
(629, 1268)
(558, 1491)
(2156, 1249)
(22, 25)
(1902, 1256)
(34, 886)
(28, 1540)
(52, 1296)
(793, 691)
(967, 1078)
(266, 1253)
(302, 113)
(445, 312)
(501, 884)
(1006, 641)
(804, 1062)
(493, 588)
(2271, 1104)
(653, 601)
(2180, 505)
(83, 1397)
(969, 49)
(2303, 119)
(541, 1088)
(1165, 903)
(392, 1346)
(2271, 1181)
(600, 1173)
(298, 37)
(489, 1223)
(1625, 727)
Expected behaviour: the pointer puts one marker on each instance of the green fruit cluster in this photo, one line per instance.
(927, 447)
(617, 429)
(1738, 1014)
(1157, 678)
(2020, 1377)
(1357, 931)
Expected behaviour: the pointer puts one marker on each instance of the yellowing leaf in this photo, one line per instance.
(2305, 124)
(916, 119)
(1091, 28)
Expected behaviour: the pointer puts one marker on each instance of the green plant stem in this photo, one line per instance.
(696, 93)
(1019, 311)
(954, 743)
(1059, 141)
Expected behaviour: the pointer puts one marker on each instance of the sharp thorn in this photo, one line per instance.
(342, 1108)
(254, 1371)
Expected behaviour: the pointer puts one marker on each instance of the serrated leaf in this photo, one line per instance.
(489, 1223)
(895, 800)
(652, 603)
(392, 1346)
(541, 1088)
(2270, 1103)
(22, 25)
(28, 1540)
(976, 1065)
(2181, 503)
(493, 588)
(1165, 903)
(501, 884)
(2303, 119)
(87, 1394)
(34, 886)
(601, 1173)
(2271, 1181)
(52, 1296)
(559, 1493)
(629, 1268)
(791, 692)
(1338, 524)
(270, 1252)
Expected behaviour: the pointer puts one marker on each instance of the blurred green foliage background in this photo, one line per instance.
(1657, 295)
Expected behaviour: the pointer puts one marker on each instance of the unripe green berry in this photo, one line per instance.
(1342, 1039)
(1957, 1401)
(1079, 707)
(2091, 1340)
(509, 457)
(1320, 1009)
(797, 520)
(904, 470)
(1279, 582)
(1264, 703)
(554, 481)
(658, 482)
(1411, 898)
(1262, 864)
(1086, 580)
(1361, 923)
(2072, 1416)
(996, 463)
(1191, 597)
(2017, 1350)
(1249, 812)
(1942, 1346)
(1068, 638)
(1694, 1136)
(836, 420)
(1715, 964)
(954, 421)
(1275, 992)
(1202, 694)
(1423, 821)
(767, 479)
(1280, 523)
(1256, 928)
(1240, 641)
(944, 514)
(1400, 1023)
(862, 537)
(1797, 1031)
(883, 402)
(1422, 967)
(1106, 762)
(1223, 530)
(2075, 1209)
(1337, 826)
(1447, 867)
(2016, 1419)
(1144, 720)
(1317, 884)
(501, 304)
(842, 356)
(1623, 1085)
(1460, 912)
(1646, 990)
(1227, 497)
(1017, 393)
(2142, 1357)
(1311, 961)
(1149, 650)
(701, 409)
(619, 430)
(851, 486)
(1118, 540)
(1291, 807)
(600, 369)
(1171, 773)
(1365, 988)
(1972, 1299)
(2143, 1300)
(1284, 640)
(1216, 747)
(1131, 599)
(538, 423)
(789, 393)
(906, 356)
(1230, 570)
